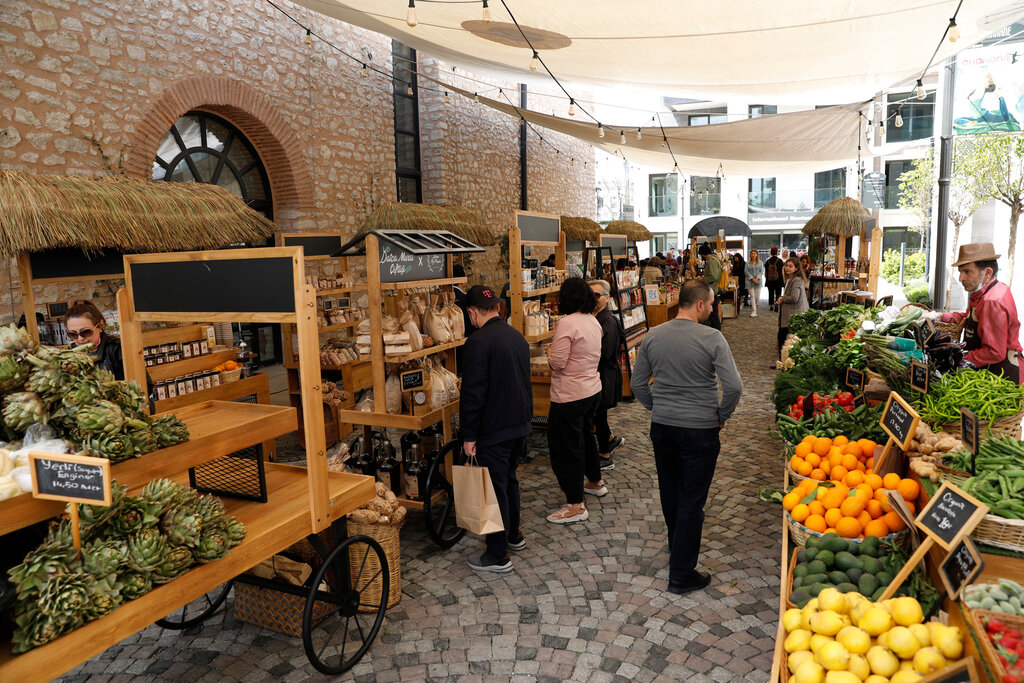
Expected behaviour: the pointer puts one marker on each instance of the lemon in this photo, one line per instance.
(797, 658)
(796, 641)
(827, 622)
(906, 677)
(928, 660)
(792, 620)
(920, 632)
(907, 665)
(883, 640)
(882, 661)
(901, 641)
(841, 677)
(906, 611)
(809, 672)
(949, 641)
(875, 678)
(833, 656)
(860, 606)
(832, 599)
(875, 621)
(817, 640)
(855, 640)
(859, 667)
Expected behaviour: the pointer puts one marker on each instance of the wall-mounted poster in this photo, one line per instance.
(989, 90)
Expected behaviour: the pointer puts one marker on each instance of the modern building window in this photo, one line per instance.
(893, 237)
(705, 195)
(829, 185)
(759, 110)
(918, 117)
(709, 116)
(664, 194)
(764, 241)
(204, 148)
(407, 124)
(894, 170)
(663, 241)
(761, 193)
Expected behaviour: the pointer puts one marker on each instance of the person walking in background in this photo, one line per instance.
(573, 357)
(754, 273)
(712, 276)
(496, 412)
(652, 271)
(805, 274)
(687, 360)
(773, 278)
(793, 299)
(612, 338)
(738, 271)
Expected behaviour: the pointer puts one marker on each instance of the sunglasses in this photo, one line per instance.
(84, 334)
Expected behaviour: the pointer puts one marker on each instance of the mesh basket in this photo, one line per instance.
(275, 608)
(236, 475)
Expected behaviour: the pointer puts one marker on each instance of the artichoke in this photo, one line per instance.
(135, 584)
(40, 566)
(113, 447)
(93, 518)
(34, 627)
(176, 562)
(101, 417)
(13, 373)
(234, 531)
(129, 397)
(211, 509)
(16, 341)
(22, 409)
(106, 596)
(169, 430)
(45, 381)
(182, 526)
(80, 391)
(146, 550)
(133, 515)
(142, 440)
(104, 558)
(212, 546)
(166, 494)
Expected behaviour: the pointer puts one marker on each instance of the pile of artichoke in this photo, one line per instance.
(136, 543)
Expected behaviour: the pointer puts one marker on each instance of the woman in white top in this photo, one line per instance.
(754, 273)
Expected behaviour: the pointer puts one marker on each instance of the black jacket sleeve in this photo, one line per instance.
(474, 387)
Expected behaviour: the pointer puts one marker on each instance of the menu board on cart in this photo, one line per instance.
(71, 478)
(399, 265)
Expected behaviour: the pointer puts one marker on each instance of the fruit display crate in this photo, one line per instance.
(976, 619)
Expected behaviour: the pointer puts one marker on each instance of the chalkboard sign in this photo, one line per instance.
(859, 401)
(66, 263)
(536, 227)
(343, 302)
(919, 376)
(899, 420)
(961, 567)
(412, 380)
(574, 245)
(969, 435)
(71, 478)
(314, 244)
(927, 328)
(854, 379)
(950, 515)
(617, 243)
(847, 298)
(399, 265)
(243, 285)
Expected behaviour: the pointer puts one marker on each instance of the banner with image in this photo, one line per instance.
(989, 94)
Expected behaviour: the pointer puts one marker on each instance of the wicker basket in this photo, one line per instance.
(276, 610)
(974, 619)
(793, 476)
(1005, 426)
(230, 375)
(388, 537)
(1000, 532)
(789, 579)
(799, 533)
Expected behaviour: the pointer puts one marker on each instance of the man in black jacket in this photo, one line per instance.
(612, 337)
(495, 412)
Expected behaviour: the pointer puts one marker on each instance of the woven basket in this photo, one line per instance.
(952, 329)
(793, 476)
(388, 537)
(789, 579)
(276, 610)
(799, 533)
(230, 375)
(1004, 426)
(1000, 532)
(974, 618)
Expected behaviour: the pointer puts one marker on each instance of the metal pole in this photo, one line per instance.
(523, 203)
(945, 177)
(903, 260)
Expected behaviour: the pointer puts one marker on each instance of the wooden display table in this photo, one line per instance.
(541, 395)
(662, 313)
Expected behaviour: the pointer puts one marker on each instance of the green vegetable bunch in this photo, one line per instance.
(987, 395)
(817, 374)
(805, 325)
(850, 353)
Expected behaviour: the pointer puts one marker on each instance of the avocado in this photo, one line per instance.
(837, 577)
(853, 548)
(867, 585)
(826, 556)
(870, 564)
(845, 560)
(800, 598)
(869, 546)
(811, 554)
(816, 567)
(812, 579)
(800, 570)
(801, 555)
(884, 578)
(834, 543)
(854, 574)
(811, 543)
(817, 588)
(877, 594)
(847, 588)
(797, 582)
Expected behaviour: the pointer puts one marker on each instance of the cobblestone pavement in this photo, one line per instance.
(585, 602)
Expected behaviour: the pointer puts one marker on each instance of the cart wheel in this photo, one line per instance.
(334, 634)
(197, 611)
(440, 513)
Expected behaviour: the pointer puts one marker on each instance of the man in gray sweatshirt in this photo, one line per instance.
(687, 360)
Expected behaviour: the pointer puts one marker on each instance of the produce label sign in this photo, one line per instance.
(412, 380)
(71, 478)
(899, 420)
(961, 567)
(859, 401)
(651, 295)
(855, 379)
(969, 435)
(950, 515)
(924, 332)
(919, 376)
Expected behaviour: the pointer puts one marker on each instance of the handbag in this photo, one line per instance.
(476, 505)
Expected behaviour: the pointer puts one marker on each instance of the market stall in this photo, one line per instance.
(832, 272)
(579, 233)
(896, 451)
(720, 229)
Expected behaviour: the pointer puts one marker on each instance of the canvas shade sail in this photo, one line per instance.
(783, 52)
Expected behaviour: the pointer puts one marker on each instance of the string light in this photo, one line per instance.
(954, 31)
(572, 161)
(920, 91)
(364, 72)
(881, 129)
(675, 169)
(408, 90)
(410, 16)
(622, 137)
(309, 37)
(447, 100)
(639, 135)
(534, 61)
(476, 98)
(899, 120)
(600, 131)
(572, 107)
(664, 141)
(487, 13)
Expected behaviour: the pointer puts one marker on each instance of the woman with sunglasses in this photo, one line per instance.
(85, 326)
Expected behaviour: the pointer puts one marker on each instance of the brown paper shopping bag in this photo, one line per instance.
(476, 505)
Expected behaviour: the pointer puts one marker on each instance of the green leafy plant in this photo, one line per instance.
(917, 293)
(913, 267)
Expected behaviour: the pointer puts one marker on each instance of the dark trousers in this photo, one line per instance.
(686, 460)
(572, 445)
(715, 319)
(774, 292)
(501, 460)
(783, 333)
(602, 430)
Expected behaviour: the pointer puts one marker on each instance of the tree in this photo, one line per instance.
(967, 192)
(1001, 172)
(916, 188)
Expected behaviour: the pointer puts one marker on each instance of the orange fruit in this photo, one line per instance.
(884, 502)
(852, 506)
(876, 527)
(913, 508)
(864, 518)
(790, 500)
(832, 516)
(854, 478)
(870, 462)
(832, 499)
(848, 527)
(840, 441)
(813, 458)
(853, 448)
(817, 474)
(873, 480)
(909, 489)
(822, 445)
(838, 472)
(804, 449)
(893, 521)
(835, 459)
(867, 447)
(865, 491)
(891, 481)
(861, 467)
(816, 523)
(849, 462)
(874, 509)
(804, 468)
(816, 507)
(800, 512)
(795, 461)
(835, 450)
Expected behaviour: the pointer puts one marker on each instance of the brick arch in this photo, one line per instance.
(251, 112)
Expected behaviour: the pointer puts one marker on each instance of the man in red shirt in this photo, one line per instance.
(991, 324)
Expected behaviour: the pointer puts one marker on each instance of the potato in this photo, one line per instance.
(364, 516)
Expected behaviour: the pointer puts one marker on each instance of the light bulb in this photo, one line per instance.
(622, 137)
(639, 135)
(692, 193)
(476, 98)
(447, 100)
(410, 16)
(600, 131)
(675, 168)
(408, 91)
(534, 61)
(664, 142)
(921, 94)
(572, 162)
(309, 37)
(881, 130)
(572, 107)
(364, 73)
(487, 13)
(899, 120)
(954, 31)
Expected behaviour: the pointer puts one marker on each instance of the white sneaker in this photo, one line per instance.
(754, 314)
(567, 514)
(595, 488)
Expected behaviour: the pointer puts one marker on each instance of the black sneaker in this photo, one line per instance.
(615, 443)
(518, 544)
(696, 581)
(486, 563)
(607, 463)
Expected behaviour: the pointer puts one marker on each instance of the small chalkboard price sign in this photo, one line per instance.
(412, 380)
(950, 515)
(926, 330)
(919, 376)
(859, 401)
(899, 420)
(855, 379)
(969, 435)
(961, 567)
(72, 478)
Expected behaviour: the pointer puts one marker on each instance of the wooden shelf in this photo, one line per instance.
(227, 391)
(272, 527)
(416, 284)
(399, 421)
(341, 290)
(540, 292)
(429, 351)
(216, 428)
(187, 366)
(534, 338)
(339, 326)
(418, 504)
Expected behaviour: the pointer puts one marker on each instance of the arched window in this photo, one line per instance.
(205, 148)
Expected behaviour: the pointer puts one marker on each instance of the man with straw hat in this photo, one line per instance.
(991, 325)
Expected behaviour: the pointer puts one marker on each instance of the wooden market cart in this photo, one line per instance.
(252, 285)
(398, 261)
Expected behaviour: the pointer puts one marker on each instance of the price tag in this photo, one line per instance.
(899, 420)
(859, 401)
(950, 515)
(920, 374)
(969, 435)
(961, 567)
(412, 380)
(927, 330)
(71, 478)
(855, 379)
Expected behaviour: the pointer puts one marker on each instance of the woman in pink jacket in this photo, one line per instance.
(573, 356)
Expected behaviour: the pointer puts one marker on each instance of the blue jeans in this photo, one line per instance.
(686, 460)
(501, 460)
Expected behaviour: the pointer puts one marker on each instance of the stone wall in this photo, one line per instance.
(90, 87)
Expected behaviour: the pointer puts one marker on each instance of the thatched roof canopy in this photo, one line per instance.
(843, 217)
(39, 212)
(580, 228)
(461, 220)
(631, 229)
